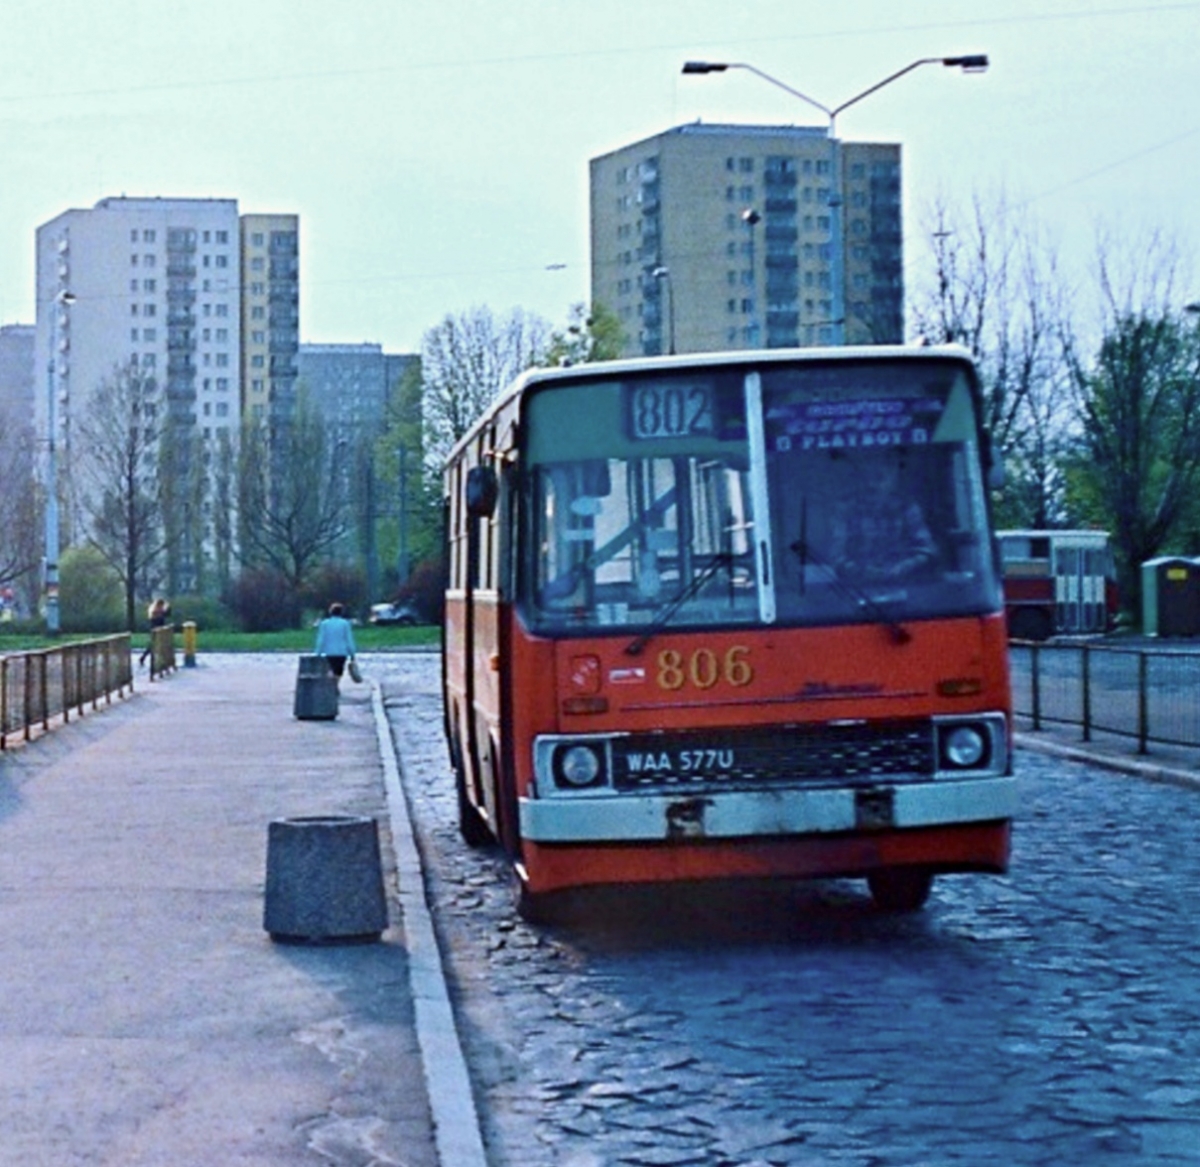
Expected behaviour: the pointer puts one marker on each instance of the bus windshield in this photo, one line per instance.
(800, 494)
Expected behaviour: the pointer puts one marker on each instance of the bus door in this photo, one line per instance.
(1066, 588)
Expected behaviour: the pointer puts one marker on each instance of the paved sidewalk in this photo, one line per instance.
(145, 1016)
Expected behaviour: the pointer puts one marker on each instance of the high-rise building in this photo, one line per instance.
(203, 304)
(715, 237)
(270, 315)
(351, 384)
(17, 374)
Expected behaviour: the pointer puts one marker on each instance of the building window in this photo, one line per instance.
(133, 285)
(256, 239)
(222, 309)
(150, 334)
(133, 236)
(222, 384)
(258, 336)
(222, 236)
(258, 263)
(133, 309)
(149, 286)
(222, 335)
(222, 261)
(257, 361)
(133, 261)
(222, 360)
(149, 309)
(147, 260)
(148, 236)
(222, 408)
(258, 312)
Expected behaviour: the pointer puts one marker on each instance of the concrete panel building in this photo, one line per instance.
(270, 259)
(717, 237)
(17, 374)
(204, 303)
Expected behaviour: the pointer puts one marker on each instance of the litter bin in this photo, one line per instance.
(316, 690)
(324, 881)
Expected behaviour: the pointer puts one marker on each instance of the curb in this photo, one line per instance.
(457, 1136)
(1148, 771)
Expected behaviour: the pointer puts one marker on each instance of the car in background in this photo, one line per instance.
(401, 612)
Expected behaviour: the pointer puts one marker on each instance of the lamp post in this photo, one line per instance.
(60, 302)
(663, 274)
(974, 63)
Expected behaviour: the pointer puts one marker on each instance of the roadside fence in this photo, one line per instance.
(56, 682)
(1147, 694)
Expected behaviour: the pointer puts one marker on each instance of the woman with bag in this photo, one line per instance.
(335, 641)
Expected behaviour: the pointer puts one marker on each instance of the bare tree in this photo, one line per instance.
(1001, 295)
(121, 496)
(465, 361)
(20, 510)
(292, 497)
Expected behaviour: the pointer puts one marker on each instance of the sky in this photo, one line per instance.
(437, 150)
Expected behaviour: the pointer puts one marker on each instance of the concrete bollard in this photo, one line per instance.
(324, 881)
(189, 644)
(316, 696)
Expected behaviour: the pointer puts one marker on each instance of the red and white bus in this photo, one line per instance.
(1058, 582)
(730, 615)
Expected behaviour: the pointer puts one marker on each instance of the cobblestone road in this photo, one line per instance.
(1049, 1017)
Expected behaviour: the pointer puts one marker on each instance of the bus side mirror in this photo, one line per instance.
(483, 488)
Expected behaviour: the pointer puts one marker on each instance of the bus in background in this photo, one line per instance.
(730, 615)
(1058, 582)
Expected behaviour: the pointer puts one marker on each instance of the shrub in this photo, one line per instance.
(204, 612)
(338, 582)
(90, 596)
(425, 589)
(263, 601)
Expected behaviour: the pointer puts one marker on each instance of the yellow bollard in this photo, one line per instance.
(189, 644)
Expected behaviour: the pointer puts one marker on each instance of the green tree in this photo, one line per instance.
(589, 336)
(1137, 464)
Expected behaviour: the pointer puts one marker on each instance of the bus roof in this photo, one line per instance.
(734, 357)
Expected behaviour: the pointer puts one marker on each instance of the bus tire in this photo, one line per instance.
(543, 909)
(471, 824)
(900, 889)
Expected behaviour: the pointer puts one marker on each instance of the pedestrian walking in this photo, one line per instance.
(335, 640)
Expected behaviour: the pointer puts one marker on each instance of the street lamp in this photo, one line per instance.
(664, 274)
(752, 219)
(62, 301)
(973, 63)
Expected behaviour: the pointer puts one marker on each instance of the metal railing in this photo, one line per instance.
(38, 686)
(1147, 694)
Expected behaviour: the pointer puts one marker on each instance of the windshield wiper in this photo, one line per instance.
(660, 621)
(804, 551)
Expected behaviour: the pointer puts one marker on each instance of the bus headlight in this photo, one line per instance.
(578, 766)
(964, 747)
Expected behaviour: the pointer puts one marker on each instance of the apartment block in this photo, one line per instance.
(351, 384)
(718, 237)
(17, 374)
(270, 258)
(205, 304)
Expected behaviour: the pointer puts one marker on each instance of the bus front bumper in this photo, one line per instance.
(766, 814)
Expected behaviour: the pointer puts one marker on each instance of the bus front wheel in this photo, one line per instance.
(900, 889)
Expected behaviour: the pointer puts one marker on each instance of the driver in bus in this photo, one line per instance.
(880, 534)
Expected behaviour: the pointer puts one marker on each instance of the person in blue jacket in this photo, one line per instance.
(335, 639)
